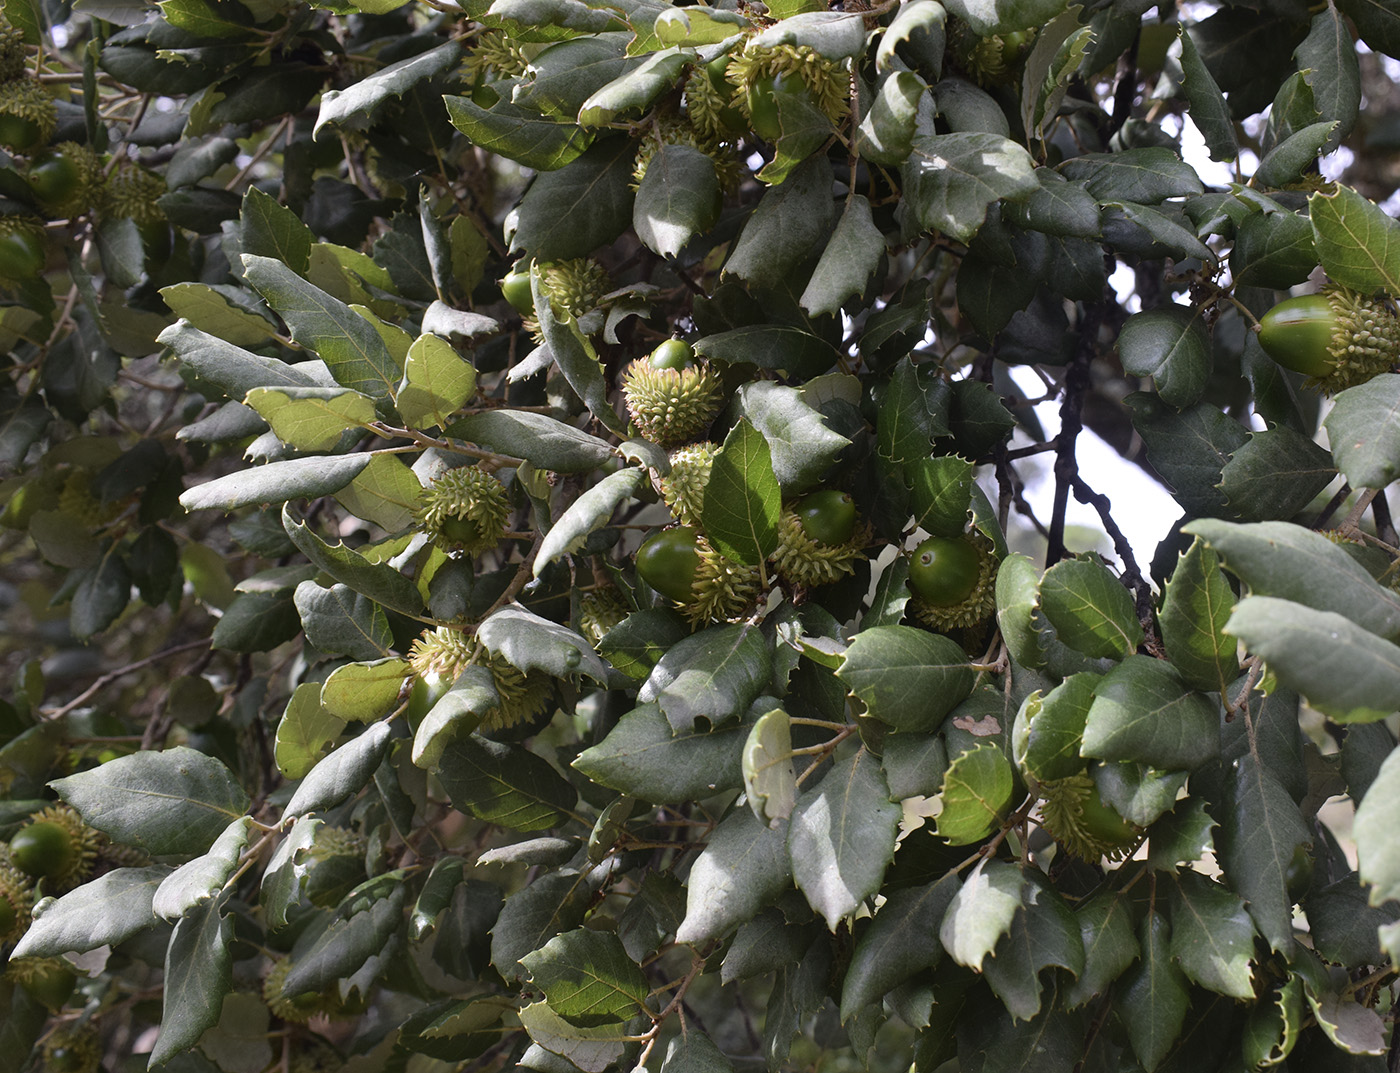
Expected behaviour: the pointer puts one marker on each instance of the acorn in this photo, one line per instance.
(14, 59)
(681, 565)
(336, 860)
(674, 130)
(440, 656)
(758, 71)
(28, 115)
(464, 511)
(50, 980)
(77, 501)
(1079, 819)
(297, 1009)
(131, 191)
(23, 250)
(574, 288)
(671, 406)
(994, 60)
(709, 102)
(495, 53)
(819, 539)
(953, 580)
(16, 899)
(683, 488)
(524, 696)
(599, 610)
(63, 178)
(1337, 337)
(56, 847)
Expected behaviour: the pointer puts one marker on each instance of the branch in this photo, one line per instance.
(1071, 422)
(1142, 591)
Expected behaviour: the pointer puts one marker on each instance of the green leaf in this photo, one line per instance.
(348, 942)
(590, 1049)
(288, 869)
(643, 758)
(1328, 53)
(694, 1052)
(1352, 1027)
(1090, 609)
(1195, 608)
(1143, 713)
(1043, 934)
(588, 513)
(269, 229)
(364, 96)
(906, 677)
(566, 213)
(213, 311)
(951, 179)
(1294, 563)
(104, 912)
(276, 482)
(304, 731)
(504, 784)
(1018, 596)
(849, 260)
(1364, 429)
(517, 133)
(886, 132)
(362, 692)
(379, 581)
(913, 412)
(345, 341)
(1212, 935)
(1273, 249)
(941, 493)
(790, 223)
(545, 441)
(635, 645)
(1145, 176)
(1377, 833)
(233, 370)
(1181, 837)
(1106, 930)
(457, 712)
(986, 17)
(770, 346)
(1188, 449)
(1377, 23)
(436, 382)
(553, 903)
(679, 198)
(1170, 345)
(1275, 475)
(343, 773)
(198, 966)
(199, 881)
(842, 837)
(172, 802)
(742, 498)
(1048, 730)
(976, 796)
(385, 492)
(1287, 161)
(587, 977)
(341, 621)
(744, 866)
(800, 442)
(576, 358)
(1358, 244)
(532, 643)
(982, 911)
(1209, 111)
(770, 781)
(712, 675)
(1153, 996)
(902, 940)
(1343, 670)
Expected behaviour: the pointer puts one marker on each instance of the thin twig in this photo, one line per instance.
(111, 676)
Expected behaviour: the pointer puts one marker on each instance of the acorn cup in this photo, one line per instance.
(671, 402)
(1337, 337)
(464, 511)
(1079, 819)
(682, 566)
(819, 539)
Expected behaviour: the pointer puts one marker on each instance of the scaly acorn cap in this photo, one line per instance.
(16, 899)
(1363, 340)
(297, 1009)
(599, 611)
(131, 192)
(722, 590)
(827, 81)
(77, 501)
(671, 406)
(441, 652)
(674, 130)
(25, 99)
(523, 696)
(800, 560)
(83, 841)
(464, 511)
(683, 488)
(14, 60)
(705, 105)
(495, 53)
(979, 604)
(574, 287)
(88, 164)
(1063, 813)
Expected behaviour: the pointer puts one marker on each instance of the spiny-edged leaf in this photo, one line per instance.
(538, 438)
(779, 347)
(1145, 175)
(901, 941)
(742, 497)
(1137, 792)
(197, 882)
(1044, 933)
(1212, 935)
(1090, 609)
(270, 229)
(906, 677)
(1182, 836)
(636, 90)
(288, 869)
(940, 493)
(713, 675)
(770, 781)
(590, 1049)
(1209, 111)
(744, 866)
(643, 757)
(1169, 344)
(504, 784)
(457, 1031)
(1357, 243)
(1293, 563)
(1195, 608)
(198, 964)
(457, 712)
(362, 692)
(215, 312)
(532, 643)
(106, 911)
(679, 198)
(1377, 833)
(1275, 475)
(636, 644)
(1018, 596)
(1106, 931)
(982, 911)
(304, 731)
(1144, 713)
(787, 226)
(977, 794)
(694, 1052)
(1352, 1027)
(801, 444)
(588, 978)
(436, 382)
(553, 903)
(951, 179)
(587, 513)
(1344, 928)
(385, 492)
(349, 941)
(364, 96)
(1153, 995)
(276, 482)
(343, 622)
(574, 354)
(913, 411)
(379, 581)
(1273, 1026)
(1364, 429)
(345, 341)
(842, 837)
(172, 802)
(344, 772)
(518, 133)
(1329, 53)
(1342, 669)
(847, 263)
(1048, 730)
(566, 213)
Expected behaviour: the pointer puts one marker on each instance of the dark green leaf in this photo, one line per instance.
(1144, 713)
(1154, 995)
(344, 772)
(713, 675)
(743, 868)
(906, 677)
(566, 213)
(276, 482)
(588, 978)
(504, 784)
(1212, 936)
(198, 966)
(951, 179)
(107, 911)
(1170, 345)
(1195, 608)
(742, 497)
(643, 757)
(679, 198)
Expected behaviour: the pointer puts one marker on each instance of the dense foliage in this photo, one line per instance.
(521, 542)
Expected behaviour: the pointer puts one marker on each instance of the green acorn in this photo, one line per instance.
(1339, 338)
(23, 251)
(48, 979)
(683, 488)
(56, 847)
(574, 288)
(131, 192)
(14, 59)
(994, 60)
(671, 406)
(599, 610)
(16, 899)
(819, 540)
(674, 130)
(297, 1009)
(337, 863)
(442, 653)
(1080, 820)
(681, 565)
(28, 115)
(953, 580)
(440, 656)
(64, 177)
(72, 1048)
(495, 54)
(709, 102)
(464, 511)
(524, 696)
(77, 501)
(758, 69)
